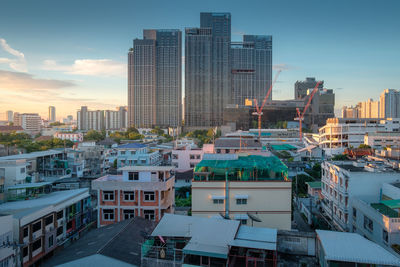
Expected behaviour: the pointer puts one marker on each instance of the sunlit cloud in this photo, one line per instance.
(18, 63)
(90, 67)
(10, 80)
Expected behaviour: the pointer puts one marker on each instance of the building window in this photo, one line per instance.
(25, 251)
(243, 221)
(129, 195)
(354, 213)
(60, 231)
(385, 236)
(191, 156)
(174, 156)
(133, 176)
(368, 224)
(218, 201)
(108, 215)
(51, 241)
(108, 195)
(149, 196)
(60, 215)
(198, 157)
(192, 165)
(241, 201)
(129, 214)
(37, 226)
(48, 220)
(22, 170)
(37, 244)
(149, 215)
(122, 152)
(26, 232)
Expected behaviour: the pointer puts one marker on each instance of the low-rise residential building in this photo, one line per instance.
(14, 171)
(8, 255)
(344, 180)
(186, 158)
(381, 140)
(314, 189)
(232, 145)
(253, 189)
(44, 223)
(74, 137)
(145, 191)
(134, 154)
(94, 159)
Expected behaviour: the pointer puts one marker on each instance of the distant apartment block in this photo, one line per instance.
(345, 180)
(30, 122)
(390, 103)
(52, 114)
(253, 189)
(116, 119)
(145, 191)
(90, 120)
(74, 137)
(154, 79)
(50, 220)
(10, 115)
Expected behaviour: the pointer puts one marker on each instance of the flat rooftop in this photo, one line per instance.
(146, 168)
(33, 154)
(385, 210)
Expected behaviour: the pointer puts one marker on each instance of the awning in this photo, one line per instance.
(217, 197)
(241, 196)
(241, 217)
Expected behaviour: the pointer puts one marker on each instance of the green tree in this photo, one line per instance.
(364, 146)
(157, 131)
(93, 135)
(339, 157)
(56, 123)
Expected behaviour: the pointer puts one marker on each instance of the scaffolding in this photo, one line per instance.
(244, 168)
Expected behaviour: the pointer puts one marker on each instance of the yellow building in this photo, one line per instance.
(253, 189)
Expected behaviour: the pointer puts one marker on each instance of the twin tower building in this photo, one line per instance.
(218, 73)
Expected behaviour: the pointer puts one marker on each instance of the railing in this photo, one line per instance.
(166, 253)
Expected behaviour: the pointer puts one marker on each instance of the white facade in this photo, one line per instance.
(186, 158)
(7, 254)
(390, 103)
(30, 122)
(381, 140)
(344, 180)
(74, 137)
(15, 171)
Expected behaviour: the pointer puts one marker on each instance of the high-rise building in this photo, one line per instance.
(52, 114)
(30, 122)
(207, 62)
(10, 117)
(390, 103)
(115, 119)
(301, 87)
(154, 79)
(90, 120)
(251, 68)
(370, 109)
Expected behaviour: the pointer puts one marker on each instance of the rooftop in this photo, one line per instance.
(254, 237)
(385, 210)
(28, 185)
(33, 154)
(209, 237)
(146, 168)
(339, 246)
(132, 146)
(314, 184)
(237, 143)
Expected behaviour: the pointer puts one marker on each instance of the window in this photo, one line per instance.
(218, 151)
(385, 236)
(174, 156)
(133, 176)
(108, 195)
(22, 170)
(197, 156)
(48, 220)
(108, 215)
(129, 195)
(25, 251)
(26, 232)
(191, 156)
(244, 221)
(241, 201)
(37, 244)
(129, 214)
(368, 224)
(51, 241)
(60, 215)
(59, 230)
(149, 196)
(37, 226)
(149, 214)
(218, 201)
(122, 152)
(354, 213)
(192, 165)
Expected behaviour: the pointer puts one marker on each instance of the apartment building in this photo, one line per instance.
(253, 189)
(379, 219)
(185, 158)
(94, 159)
(342, 181)
(8, 256)
(74, 137)
(381, 140)
(44, 223)
(339, 133)
(145, 191)
(14, 171)
(30, 122)
(133, 154)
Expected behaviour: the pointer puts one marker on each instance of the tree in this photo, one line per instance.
(56, 123)
(364, 146)
(339, 157)
(93, 135)
(157, 131)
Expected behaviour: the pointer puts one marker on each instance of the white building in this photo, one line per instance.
(10, 114)
(185, 158)
(30, 122)
(390, 103)
(74, 137)
(52, 114)
(340, 133)
(344, 180)
(381, 140)
(8, 257)
(378, 220)
(15, 171)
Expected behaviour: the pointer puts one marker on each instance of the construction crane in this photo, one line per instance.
(300, 116)
(258, 111)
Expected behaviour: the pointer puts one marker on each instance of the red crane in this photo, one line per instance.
(259, 112)
(300, 116)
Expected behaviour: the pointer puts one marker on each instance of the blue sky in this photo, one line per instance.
(72, 53)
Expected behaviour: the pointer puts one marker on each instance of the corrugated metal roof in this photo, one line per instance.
(340, 246)
(254, 237)
(132, 145)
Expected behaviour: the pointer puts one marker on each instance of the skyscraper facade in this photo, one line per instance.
(154, 79)
(301, 87)
(251, 68)
(10, 115)
(390, 103)
(52, 114)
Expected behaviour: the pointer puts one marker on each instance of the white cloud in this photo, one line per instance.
(90, 67)
(19, 63)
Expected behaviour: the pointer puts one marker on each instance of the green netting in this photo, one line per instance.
(283, 147)
(385, 210)
(245, 168)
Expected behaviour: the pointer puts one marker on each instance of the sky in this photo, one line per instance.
(70, 53)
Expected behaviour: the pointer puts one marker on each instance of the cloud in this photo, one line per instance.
(90, 67)
(10, 80)
(19, 63)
